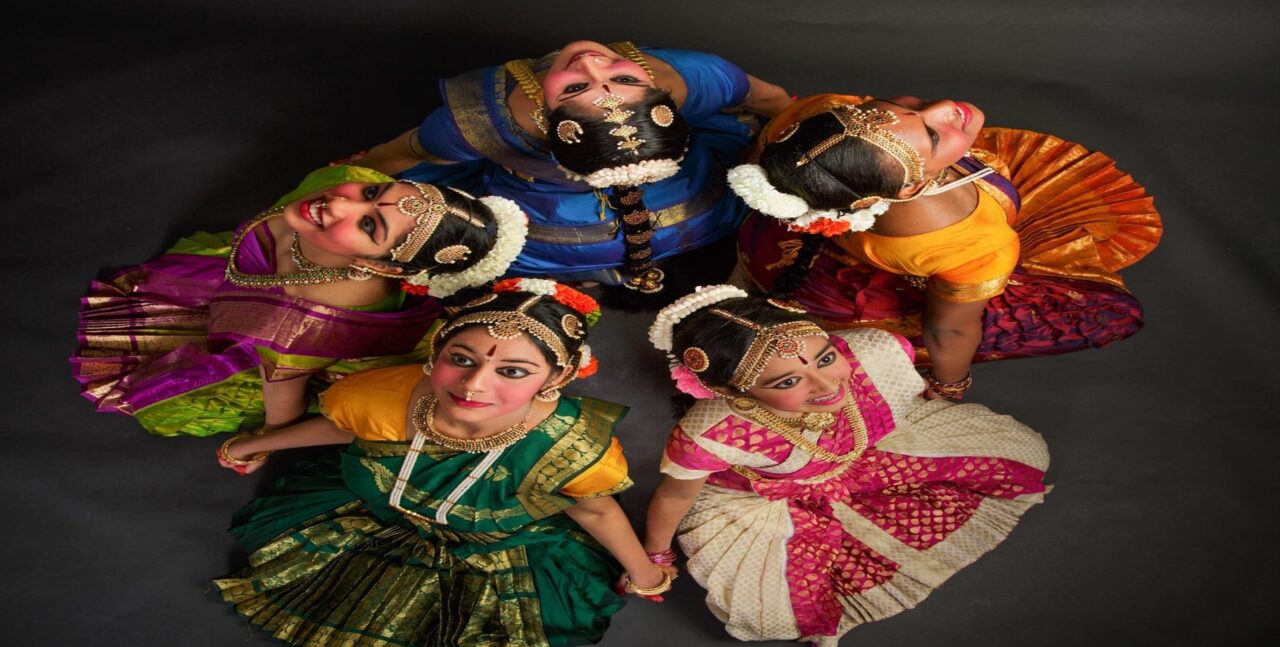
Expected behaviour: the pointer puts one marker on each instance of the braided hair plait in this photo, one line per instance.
(797, 272)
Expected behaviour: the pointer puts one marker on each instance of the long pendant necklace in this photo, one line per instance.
(423, 423)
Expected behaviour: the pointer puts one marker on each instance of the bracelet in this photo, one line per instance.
(225, 454)
(667, 556)
(415, 146)
(949, 390)
(662, 587)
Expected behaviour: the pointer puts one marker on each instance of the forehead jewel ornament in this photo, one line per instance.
(428, 208)
(509, 324)
(614, 114)
(783, 339)
(870, 125)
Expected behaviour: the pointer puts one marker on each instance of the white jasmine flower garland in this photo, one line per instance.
(751, 183)
(513, 228)
(660, 333)
(629, 175)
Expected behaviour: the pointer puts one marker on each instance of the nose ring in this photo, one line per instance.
(469, 395)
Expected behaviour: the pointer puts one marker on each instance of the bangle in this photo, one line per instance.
(415, 146)
(949, 390)
(667, 556)
(224, 451)
(662, 587)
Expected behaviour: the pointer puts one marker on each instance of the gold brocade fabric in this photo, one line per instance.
(1081, 216)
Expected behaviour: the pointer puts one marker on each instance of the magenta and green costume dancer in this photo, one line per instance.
(332, 563)
(574, 231)
(790, 546)
(174, 344)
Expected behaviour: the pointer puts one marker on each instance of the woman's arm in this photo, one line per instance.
(670, 502)
(952, 332)
(283, 401)
(309, 433)
(765, 99)
(393, 157)
(603, 519)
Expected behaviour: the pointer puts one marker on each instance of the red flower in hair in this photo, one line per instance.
(420, 290)
(824, 226)
(590, 369)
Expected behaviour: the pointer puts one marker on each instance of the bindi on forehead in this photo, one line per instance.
(492, 350)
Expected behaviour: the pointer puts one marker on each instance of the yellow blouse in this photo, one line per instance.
(969, 260)
(374, 405)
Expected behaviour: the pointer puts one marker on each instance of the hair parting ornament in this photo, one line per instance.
(428, 208)
(513, 228)
(783, 339)
(570, 132)
(507, 324)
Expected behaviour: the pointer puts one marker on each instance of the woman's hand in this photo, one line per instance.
(647, 579)
(236, 454)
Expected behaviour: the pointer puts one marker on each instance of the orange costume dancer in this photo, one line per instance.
(1040, 241)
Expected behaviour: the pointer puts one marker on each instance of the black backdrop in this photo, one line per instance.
(130, 123)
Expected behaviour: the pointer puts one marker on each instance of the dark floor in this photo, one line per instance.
(130, 123)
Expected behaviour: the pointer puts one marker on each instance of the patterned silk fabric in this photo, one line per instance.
(175, 345)
(331, 561)
(939, 485)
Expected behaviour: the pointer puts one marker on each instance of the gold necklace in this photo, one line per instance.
(311, 273)
(521, 70)
(424, 413)
(792, 429)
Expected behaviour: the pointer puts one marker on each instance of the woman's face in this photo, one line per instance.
(477, 378)
(353, 220)
(586, 70)
(816, 380)
(942, 131)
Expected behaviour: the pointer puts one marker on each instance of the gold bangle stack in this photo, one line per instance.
(224, 451)
(948, 390)
(662, 587)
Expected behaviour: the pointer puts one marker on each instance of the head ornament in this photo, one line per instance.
(428, 208)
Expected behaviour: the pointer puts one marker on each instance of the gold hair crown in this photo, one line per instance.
(508, 324)
(784, 339)
(428, 209)
(869, 125)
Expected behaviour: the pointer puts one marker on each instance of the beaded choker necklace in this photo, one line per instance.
(424, 413)
(311, 273)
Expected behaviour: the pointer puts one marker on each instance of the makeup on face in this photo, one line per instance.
(583, 71)
(817, 382)
(352, 220)
(477, 378)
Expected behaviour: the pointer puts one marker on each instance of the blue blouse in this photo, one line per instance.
(474, 144)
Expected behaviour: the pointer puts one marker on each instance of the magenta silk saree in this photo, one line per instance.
(175, 345)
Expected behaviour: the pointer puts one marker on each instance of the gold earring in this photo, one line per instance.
(548, 395)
